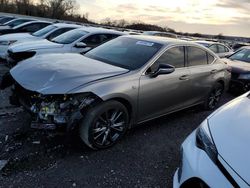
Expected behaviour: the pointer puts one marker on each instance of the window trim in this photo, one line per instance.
(165, 48)
(184, 56)
(158, 55)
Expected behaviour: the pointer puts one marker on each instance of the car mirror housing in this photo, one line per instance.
(163, 69)
(80, 45)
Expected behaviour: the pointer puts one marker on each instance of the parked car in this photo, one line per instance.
(220, 49)
(216, 154)
(240, 69)
(76, 41)
(237, 46)
(14, 23)
(6, 19)
(27, 27)
(49, 32)
(126, 81)
(160, 34)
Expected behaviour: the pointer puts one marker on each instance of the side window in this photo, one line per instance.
(96, 40)
(226, 49)
(34, 27)
(196, 56)
(221, 49)
(58, 32)
(213, 48)
(174, 56)
(210, 58)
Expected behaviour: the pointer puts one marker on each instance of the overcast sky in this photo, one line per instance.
(230, 17)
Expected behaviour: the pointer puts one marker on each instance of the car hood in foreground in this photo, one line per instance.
(60, 73)
(34, 45)
(230, 129)
(238, 66)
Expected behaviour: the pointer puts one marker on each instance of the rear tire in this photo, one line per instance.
(104, 125)
(214, 97)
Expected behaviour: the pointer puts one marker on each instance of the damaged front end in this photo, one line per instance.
(53, 111)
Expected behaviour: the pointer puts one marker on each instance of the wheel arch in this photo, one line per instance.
(128, 105)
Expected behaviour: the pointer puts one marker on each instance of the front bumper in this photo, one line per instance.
(197, 165)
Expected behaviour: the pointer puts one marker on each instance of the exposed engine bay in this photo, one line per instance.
(52, 111)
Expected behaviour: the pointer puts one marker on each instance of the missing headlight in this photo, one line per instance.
(63, 109)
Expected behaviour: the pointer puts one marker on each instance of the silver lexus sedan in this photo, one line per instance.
(127, 81)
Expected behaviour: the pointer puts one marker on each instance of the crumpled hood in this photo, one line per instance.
(238, 66)
(230, 129)
(60, 73)
(34, 45)
(16, 36)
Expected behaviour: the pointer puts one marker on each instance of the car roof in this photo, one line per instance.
(31, 19)
(65, 25)
(5, 16)
(100, 30)
(155, 32)
(207, 42)
(161, 40)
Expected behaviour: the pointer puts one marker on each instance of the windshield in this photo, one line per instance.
(15, 23)
(241, 55)
(69, 37)
(125, 52)
(44, 31)
(4, 20)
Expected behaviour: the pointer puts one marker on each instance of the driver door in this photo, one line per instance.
(168, 92)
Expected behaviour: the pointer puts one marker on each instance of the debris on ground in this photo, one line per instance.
(36, 142)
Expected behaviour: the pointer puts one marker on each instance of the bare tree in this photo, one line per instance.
(59, 8)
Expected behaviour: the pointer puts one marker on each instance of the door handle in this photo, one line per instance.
(213, 71)
(184, 77)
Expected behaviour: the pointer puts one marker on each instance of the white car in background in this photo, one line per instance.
(48, 33)
(216, 154)
(15, 22)
(76, 41)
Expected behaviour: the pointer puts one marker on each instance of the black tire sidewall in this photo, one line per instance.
(216, 86)
(86, 125)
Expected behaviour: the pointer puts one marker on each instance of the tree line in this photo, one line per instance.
(55, 9)
(66, 10)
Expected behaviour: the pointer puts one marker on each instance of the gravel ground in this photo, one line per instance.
(147, 157)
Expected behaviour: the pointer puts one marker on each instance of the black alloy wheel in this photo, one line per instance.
(104, 125)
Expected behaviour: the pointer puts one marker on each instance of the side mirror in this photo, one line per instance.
(163, 69)
(80, 45)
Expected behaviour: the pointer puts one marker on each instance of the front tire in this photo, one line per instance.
(104, 125)
(214, 97)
